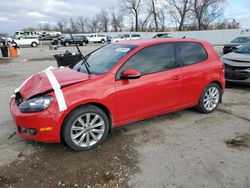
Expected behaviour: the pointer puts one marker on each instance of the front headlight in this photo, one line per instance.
(36, 104)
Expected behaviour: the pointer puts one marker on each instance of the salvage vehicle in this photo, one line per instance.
(126, 37)
(237, 65)
(115, 85)
(235, 44)
(26, 41)
(77, 39)
(96, 38)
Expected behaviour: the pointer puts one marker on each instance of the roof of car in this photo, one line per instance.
(142, 42)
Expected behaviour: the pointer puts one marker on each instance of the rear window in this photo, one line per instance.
(135, 35)
(239, 40)
(191, 53)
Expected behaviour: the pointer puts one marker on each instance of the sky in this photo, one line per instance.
(18, 14)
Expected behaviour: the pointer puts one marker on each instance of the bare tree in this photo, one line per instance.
(206, 11)
(62, 24)
(162, 18)
(233, 24)
(144, 22)
(116, 21)
(133, 7)
(93, 25)
(179, 10)
(154, 13)
(81, 24)
(224, 23)
(103, 18)
(73, 26)
(44, 26)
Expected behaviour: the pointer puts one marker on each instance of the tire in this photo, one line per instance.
(102, 41)
(55, 42)
(83, 44)
(77, 132)
(34, 44)
(66, 44)
(210, 98)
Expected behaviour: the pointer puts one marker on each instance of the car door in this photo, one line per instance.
(127, 37)
(156, 91)
(193, 57)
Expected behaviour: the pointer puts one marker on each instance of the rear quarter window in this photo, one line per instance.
(191, 53)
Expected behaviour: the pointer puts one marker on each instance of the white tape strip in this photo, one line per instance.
(57, 88)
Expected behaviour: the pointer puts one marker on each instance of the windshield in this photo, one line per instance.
(105, 58)
(239, 40)
(244, 49)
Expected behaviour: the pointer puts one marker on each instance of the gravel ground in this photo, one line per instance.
(180, 149)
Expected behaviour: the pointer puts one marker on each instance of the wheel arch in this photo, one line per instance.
(103, 107)
(217, 83)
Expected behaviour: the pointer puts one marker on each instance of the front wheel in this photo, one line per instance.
(210, 98)
(67, 44)
(34, 44)
(85, 128)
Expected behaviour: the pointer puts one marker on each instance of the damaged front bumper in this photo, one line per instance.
(41, 126)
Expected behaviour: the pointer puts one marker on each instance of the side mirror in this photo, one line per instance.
(130, 74)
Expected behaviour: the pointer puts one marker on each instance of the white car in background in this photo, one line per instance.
(96, 38)
(26, 41)
(126, 37)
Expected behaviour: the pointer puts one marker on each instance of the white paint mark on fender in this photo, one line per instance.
(57, 88)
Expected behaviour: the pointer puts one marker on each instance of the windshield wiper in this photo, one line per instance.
(84, 61)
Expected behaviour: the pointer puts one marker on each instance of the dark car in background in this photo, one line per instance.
(77, 39)
(47, 37)
(57, 40)
(162, 35)
(237, 65)
(235, 44)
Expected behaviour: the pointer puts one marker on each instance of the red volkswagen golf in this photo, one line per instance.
(115, 85)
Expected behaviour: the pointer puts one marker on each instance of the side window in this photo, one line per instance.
(244, 40)
(152, 59)
(191, 53)
(126, 36)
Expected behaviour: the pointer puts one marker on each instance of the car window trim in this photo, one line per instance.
(176, 62)
(179, 57)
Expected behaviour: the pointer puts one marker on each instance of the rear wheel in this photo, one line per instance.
(34, 44)
(210, 98)
(55, 42)
(85, 128)
(83, 44)
(102, 41)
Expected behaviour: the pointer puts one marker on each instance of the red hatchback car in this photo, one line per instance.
(117, 84)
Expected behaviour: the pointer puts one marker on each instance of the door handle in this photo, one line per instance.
(176, 77)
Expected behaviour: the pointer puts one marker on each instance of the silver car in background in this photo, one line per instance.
(237, 65)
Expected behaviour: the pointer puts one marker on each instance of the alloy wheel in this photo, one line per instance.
(211, 98)
(87, 129)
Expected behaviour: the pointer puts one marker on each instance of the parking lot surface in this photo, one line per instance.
(180, 149)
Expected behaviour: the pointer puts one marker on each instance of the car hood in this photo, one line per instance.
(232, 44)
(236, 59)
(39, 83)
